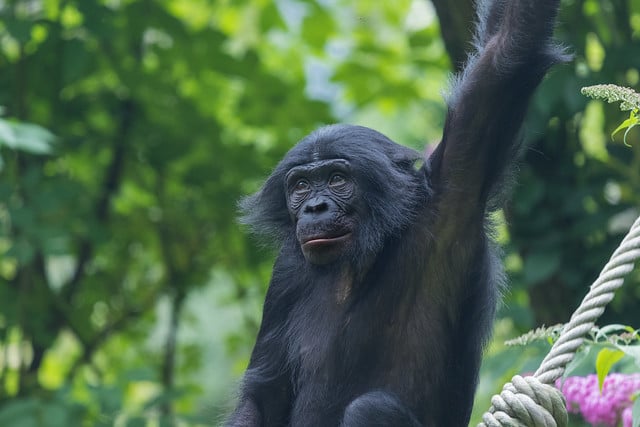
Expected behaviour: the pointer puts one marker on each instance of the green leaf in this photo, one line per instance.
(33, 138)
(270, 18)
(137, 422)
(632, 351)
(626, 133)
(607, 357)
(628, 124)
(56, 414)
(19, 413)
(25, 137)
(612, 329)
(19, 29)
(636, 413)
(7, 135)
(583, 361)
(22, 250)
(317, 27)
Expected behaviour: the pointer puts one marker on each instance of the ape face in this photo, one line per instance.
(320, 199)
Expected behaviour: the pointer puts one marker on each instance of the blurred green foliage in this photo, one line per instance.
(128, 293)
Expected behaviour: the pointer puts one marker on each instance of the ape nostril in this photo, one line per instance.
(315, 205)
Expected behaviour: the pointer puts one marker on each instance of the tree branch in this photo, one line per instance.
(110, 185)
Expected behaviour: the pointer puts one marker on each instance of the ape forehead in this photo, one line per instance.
(319, 166)
(367, 153)
(340, 142)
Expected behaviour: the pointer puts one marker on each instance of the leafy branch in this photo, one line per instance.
(614, 334)
(549, 334)
(629, 101)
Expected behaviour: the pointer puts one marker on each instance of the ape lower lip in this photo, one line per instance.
(325, 240)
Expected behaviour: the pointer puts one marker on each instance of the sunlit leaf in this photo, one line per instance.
(7, 134)
(628, 124)
(607, 357)
(25, 137)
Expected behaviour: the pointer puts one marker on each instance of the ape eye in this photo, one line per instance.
(301, 186)
(337, 180)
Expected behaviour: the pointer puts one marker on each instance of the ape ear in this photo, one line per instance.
(265, 212)
(410, 161)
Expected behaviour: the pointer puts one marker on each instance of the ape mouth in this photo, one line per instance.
(324, 240)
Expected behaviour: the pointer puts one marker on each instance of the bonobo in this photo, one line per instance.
(384, 290)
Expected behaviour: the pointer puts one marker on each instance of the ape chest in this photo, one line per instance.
(363, 347)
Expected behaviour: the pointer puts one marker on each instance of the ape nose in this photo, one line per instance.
(316, 205)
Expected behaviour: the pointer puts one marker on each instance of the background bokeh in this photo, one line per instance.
(129, 294)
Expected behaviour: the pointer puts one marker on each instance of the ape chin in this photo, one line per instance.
(325, 249)
(384, 290)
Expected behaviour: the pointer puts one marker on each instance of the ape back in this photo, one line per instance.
(384, 289)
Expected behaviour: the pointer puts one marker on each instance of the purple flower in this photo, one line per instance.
(627, 419)
(602, 409)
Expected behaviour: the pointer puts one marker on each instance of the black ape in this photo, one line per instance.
(384, 290)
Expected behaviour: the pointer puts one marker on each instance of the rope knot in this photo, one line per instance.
(526, 402)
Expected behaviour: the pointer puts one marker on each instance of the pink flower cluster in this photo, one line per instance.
(604, 408)
(627, 417)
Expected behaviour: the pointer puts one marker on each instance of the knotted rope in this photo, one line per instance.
(533, 401)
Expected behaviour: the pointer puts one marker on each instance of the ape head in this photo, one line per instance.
(339, 194)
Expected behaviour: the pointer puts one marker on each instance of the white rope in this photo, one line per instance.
(533, 401)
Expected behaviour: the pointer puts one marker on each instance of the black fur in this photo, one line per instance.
(392, 332)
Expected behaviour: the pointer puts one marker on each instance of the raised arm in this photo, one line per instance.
(513, 51)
